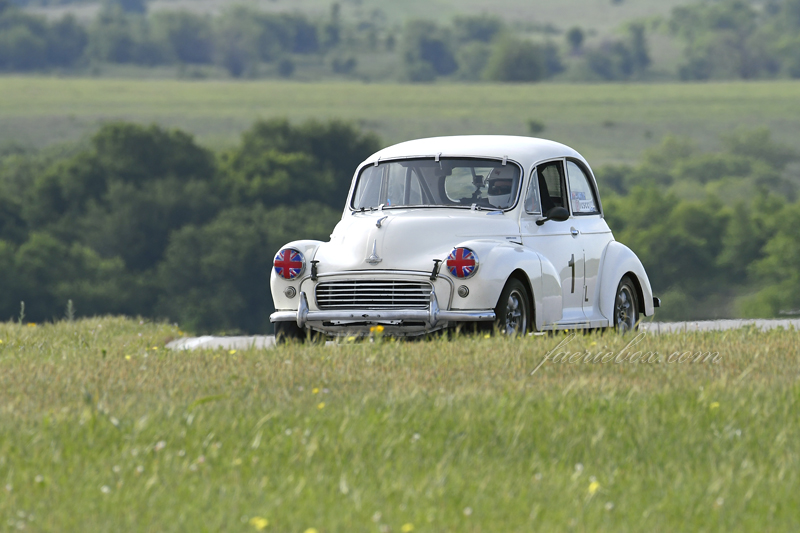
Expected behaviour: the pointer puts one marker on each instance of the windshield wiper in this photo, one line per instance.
(476, 207)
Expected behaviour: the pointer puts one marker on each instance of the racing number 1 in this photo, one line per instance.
(572, 266)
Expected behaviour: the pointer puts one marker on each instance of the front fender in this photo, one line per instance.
(277, 284)
(497, 262)
(619, 260)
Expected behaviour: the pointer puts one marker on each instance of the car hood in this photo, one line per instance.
(408, 239)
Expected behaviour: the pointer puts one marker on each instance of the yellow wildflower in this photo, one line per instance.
(714, 406)
(311, 530)
(407, 528)
(259, 523)
(155, 348)
(321, 405)
(128, 357)
(315, 391)
(376, 329)
(31, 324)
(594, 486)
(231, 352)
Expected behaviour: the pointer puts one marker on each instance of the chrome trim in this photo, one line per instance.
(374, 259)
(433, 316)
(371, 293)
(349, 274)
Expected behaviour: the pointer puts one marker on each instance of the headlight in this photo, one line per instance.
(289, 263)
(462, 263)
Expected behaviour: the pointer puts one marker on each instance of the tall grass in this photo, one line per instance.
(102, 428)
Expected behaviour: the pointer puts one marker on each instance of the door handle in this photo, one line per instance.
(574, 232)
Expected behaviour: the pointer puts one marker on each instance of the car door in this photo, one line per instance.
(593, 234)
(558, 242)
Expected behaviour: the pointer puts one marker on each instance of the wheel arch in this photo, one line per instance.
(522, 277)
(620, 261)
(638, 286)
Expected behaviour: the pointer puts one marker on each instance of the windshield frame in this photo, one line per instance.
(503, 160)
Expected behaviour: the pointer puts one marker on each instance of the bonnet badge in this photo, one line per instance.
(374, 259)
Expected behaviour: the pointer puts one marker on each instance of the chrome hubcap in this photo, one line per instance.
(516, 314)
(625, 314)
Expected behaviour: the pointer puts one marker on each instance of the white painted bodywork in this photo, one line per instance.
(507, 243)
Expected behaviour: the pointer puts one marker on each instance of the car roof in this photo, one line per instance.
(524, 150)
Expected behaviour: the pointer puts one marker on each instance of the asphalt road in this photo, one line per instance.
(268, 341)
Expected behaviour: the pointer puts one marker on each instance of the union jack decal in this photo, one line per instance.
(462, 262)
(288, 263)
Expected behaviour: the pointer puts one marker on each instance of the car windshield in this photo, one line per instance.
(484, 183)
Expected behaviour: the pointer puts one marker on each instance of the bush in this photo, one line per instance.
(516, 60)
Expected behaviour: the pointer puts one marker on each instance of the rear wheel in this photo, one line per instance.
(289, 331)
(626, 307)
(513, 309)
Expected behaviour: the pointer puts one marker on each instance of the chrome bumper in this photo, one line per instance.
(432, 316)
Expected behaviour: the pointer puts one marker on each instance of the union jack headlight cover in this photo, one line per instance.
(462, 263)
(289, 263)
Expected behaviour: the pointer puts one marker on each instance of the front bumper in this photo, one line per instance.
(431, 318)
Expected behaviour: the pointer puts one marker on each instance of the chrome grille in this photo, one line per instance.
(373, 294)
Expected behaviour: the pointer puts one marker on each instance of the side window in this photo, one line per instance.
(368, 192)
(531, 198)
(582, 198)
(550, 181)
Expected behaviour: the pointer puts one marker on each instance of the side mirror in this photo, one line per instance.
(559, 214)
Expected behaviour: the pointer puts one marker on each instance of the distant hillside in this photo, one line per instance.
(600, 15)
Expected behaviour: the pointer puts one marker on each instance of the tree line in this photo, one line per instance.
(142, 220)
(715, 230)
(725, 39)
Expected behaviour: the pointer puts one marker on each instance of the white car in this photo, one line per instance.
(450, 231)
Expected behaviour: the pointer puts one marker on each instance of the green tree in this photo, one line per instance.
(127, 194)
(427, 52)
(575, 38)
(129, 6)
(722, 41)
(517, 61)
(49, 272)
(239, 41)
(280, 163)
(190, 36)
(23, 41)
(66, 42)
(776, 273)
(216, 277)
(480, 28)
(112, 36)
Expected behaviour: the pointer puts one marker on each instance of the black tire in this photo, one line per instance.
(514, 316)
(289, 331)
(626, 307)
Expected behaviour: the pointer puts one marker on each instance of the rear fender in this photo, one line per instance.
(618, 261)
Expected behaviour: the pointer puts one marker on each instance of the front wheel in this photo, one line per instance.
(513, 309)
(288, 331)
(626, 307)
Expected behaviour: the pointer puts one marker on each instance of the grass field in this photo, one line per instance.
(102, 429)
(607, 123)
